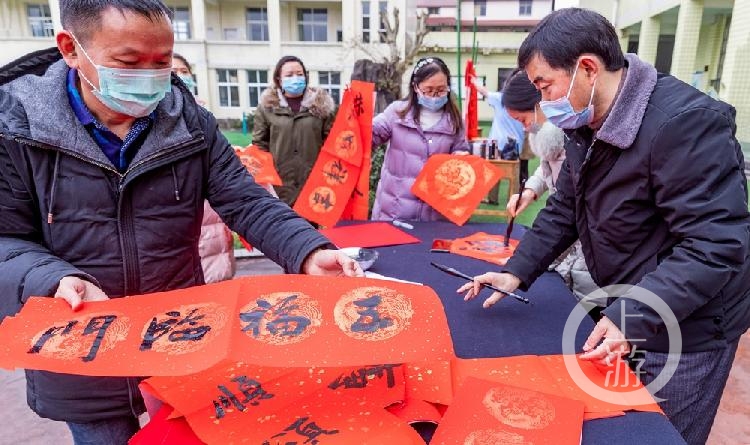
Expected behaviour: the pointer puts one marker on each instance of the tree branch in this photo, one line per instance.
(422, 30)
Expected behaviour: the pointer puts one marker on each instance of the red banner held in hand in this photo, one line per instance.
(342, 169)
(289, 320)
(259, 163)
(358, 206)
(472, 115)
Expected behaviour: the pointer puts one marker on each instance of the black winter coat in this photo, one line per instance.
(66, 210)
(658, 198)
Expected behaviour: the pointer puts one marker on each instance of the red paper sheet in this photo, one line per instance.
(168, 333)
(429, 381)
(163, 430)
(362, 107)
(490, 413)
(482, 246)
(315, 419)
(298, 320)
(259, 163)
(620, 379)
(472, 112)
(327, 190)
(240, 389)
(336, 173)
(280, 320)
(548, 374)
(413, 411)
(455, 185)
(374, 234)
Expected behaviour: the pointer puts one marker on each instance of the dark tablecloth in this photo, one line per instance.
(510, 327)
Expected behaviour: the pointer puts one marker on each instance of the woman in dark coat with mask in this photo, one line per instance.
(292, 121)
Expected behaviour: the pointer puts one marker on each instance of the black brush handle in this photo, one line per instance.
(506, 242)
(455, 273)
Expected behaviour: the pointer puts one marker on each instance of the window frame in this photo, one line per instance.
(255, 83)
(262, 22)
(382, 7)
(334, 89)
(182, 29)
(366, 18)
(525, 7)
(232, 88)
(41, 25)
(314, 24)
(480, 8)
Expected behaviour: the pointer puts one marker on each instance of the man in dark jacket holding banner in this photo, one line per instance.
(653, 185)
(105, 161)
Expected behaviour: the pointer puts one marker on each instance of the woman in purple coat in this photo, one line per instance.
(425, 123)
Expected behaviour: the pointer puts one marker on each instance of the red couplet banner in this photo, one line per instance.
(281, 320)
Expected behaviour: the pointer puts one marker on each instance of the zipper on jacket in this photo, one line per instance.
(125, 223)
(128, 246)
(127, 231)
(33, 143)
(133, 170)
(586, 160)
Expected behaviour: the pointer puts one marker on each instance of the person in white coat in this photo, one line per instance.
(521, 101)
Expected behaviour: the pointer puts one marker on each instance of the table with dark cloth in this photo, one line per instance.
(510, 328)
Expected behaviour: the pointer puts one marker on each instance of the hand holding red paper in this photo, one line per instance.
(331, 263)
(75, 291)
(613, 345)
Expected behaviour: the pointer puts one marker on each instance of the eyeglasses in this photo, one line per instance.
(439, 92)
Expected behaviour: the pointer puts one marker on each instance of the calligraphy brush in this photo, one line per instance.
(506, 241)
(455, 273)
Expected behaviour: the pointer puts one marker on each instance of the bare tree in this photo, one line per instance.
(392, 64)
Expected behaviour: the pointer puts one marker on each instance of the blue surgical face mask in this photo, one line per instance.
(432, 103)
(188, 81)
(560, 112)
(133, 92)
(294, 85)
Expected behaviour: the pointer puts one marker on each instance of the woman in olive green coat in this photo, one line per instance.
(292, 121)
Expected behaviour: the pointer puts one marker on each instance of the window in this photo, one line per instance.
(181, 23)
(231, 34)
(480, 8)
(382, 17)
(366, 22)
(229, 88)
(257, 24)
(313, 24)
(40, 20)
(433, 11)
(257, 81)
(524, 7)
(331, 82)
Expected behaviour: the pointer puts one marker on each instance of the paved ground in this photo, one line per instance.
(21, 426)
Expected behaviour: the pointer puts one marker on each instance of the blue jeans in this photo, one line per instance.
(115, 431)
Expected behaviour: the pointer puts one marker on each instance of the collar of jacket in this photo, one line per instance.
(443, 126)
(624, 120)
(49, 118)
(316, 101)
